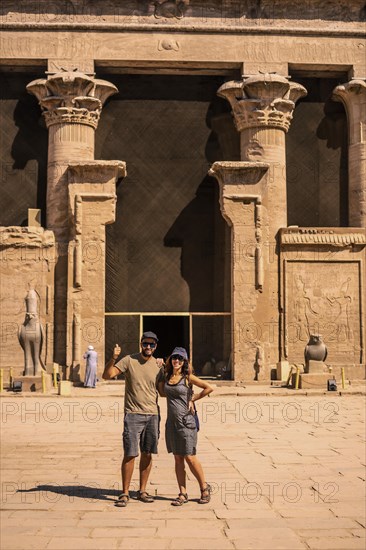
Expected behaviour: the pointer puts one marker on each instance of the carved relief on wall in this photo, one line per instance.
(170, 8)
(204, 13)
(168, 44)
(323, 297)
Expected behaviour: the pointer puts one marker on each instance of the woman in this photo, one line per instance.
(181, 428)
(91, 357)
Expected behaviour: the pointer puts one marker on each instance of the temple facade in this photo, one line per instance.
(195, 168)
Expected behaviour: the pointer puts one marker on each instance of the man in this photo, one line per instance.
(141, 421)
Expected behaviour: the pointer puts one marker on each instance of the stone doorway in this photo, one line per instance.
(205, 335)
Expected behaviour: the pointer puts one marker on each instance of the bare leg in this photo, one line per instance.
(145, 469)
(196, 469)
(180, 473)
(127, 467)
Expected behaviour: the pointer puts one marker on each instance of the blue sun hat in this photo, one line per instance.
(180, 351)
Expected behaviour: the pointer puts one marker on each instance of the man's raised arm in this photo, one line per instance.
(110, 370)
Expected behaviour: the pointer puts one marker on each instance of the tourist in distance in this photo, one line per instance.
(141, 420)
(91, 357)
(181, 425)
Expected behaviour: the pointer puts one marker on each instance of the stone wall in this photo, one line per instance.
(323, 292)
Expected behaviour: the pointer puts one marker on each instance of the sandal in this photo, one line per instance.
(144, 496)
(122, 500)
(181, 499)
(205, 495)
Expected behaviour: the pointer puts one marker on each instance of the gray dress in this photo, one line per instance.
(180, 428)
(91, 357)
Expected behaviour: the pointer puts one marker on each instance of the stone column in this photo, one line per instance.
(72, 103)
(262, 106)
(353, 96)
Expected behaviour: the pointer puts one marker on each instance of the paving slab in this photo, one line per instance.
(286, 474)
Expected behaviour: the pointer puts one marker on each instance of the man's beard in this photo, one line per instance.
(145, 354)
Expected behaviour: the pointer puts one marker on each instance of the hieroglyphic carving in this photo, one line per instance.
(237, 14)
(78, 216)
(342, 305)
(323, 298)
(259, 268)
(76, 333)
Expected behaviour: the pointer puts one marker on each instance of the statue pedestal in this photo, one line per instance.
(313, 381)
(316, 367)
(34, 383)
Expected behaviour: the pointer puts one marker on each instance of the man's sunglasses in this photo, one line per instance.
(178, 357)
(148, 344)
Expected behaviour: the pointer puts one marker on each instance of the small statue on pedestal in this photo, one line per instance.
(31, 336)
(315, 350)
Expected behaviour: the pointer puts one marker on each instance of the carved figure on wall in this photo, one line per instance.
(315, 350)
(303, 310)
(343, 301)
(31, 336)
(259, 359)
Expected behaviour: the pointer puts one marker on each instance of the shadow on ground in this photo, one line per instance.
(85, 492)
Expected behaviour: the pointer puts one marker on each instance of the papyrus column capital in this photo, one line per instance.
(71, 97)
(263, 100)
(353, 96)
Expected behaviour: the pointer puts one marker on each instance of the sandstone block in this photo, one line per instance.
(64, 388)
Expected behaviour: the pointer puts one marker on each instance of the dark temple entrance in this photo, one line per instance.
(171, 330)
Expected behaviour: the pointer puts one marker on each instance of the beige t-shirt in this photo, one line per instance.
(141, 395)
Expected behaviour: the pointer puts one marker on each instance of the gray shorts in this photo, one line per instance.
(140, 431)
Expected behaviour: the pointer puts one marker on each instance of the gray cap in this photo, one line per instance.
(149, 334)
(180, 351)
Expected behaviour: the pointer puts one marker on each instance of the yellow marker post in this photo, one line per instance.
(54, 376)
(43, 382)
(343, 381)
(297, 378)
(1, 380)
(10, 377)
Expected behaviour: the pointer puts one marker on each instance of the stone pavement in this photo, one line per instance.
(288, 472)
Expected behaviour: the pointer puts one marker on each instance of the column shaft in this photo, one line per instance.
(67, 143)
(353, 96)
